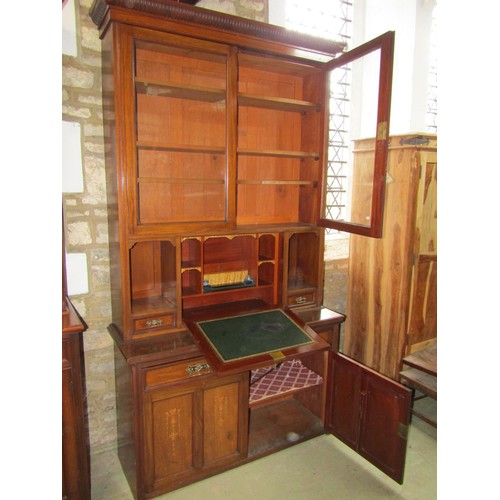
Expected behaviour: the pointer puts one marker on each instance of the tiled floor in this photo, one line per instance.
(322, 468)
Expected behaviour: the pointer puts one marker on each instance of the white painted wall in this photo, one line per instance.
(69, 44)
(72, 168)
(77, 273)
(276, 9)
(412, 21)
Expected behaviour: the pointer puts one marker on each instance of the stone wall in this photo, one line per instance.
(86, 224)
(251, 9)
(85, 213)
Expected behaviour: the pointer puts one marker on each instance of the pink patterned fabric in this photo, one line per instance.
(290, 375)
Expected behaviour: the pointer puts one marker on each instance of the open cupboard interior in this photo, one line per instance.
(217, 150)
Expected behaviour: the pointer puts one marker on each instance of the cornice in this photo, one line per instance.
(196, 15)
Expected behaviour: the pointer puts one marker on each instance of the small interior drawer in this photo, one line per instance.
(154, 322)
(299, 299)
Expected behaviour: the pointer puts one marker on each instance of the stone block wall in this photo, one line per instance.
(86, 224)
(251, 9)
(85, 212)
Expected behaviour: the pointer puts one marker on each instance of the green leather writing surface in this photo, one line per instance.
(238, 337)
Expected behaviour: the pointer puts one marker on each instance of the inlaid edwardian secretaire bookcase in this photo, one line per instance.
(216, 142)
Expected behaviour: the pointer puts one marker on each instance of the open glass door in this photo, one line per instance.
(359, 198)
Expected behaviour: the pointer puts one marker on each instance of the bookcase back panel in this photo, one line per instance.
(170, 65)
(268, 129)
(266, 83)
(268, 169)
(180, 186)
(180, 122)
(171, 165)
(164, 203)
(267, 204)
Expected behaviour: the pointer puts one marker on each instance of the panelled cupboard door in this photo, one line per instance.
(171, 435)
(70, 476)
(220, 423)
(370, 413)
(75, 458)
(191, 427)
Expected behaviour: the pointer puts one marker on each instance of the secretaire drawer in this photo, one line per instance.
(177, 371)
(299, 299)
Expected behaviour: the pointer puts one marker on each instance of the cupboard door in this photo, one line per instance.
(345, 405)
(70, 469)
(221, 436)
(361, 204)
(193, 426)
(75, 457)
(370, 413)
(172, 436)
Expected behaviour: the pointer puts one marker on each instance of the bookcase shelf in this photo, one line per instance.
(278, 153)
(264, 182)
(179, 91)
(189, 148)
(277, 103)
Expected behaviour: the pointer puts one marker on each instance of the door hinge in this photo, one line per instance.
(403, 431)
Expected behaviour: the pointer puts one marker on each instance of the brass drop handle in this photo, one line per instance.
(197, 369)
(152, 323)
(300, 300)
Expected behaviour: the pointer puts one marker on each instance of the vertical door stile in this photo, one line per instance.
(232, 135)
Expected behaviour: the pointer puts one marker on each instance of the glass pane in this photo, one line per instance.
(359, 106)
(353, 108)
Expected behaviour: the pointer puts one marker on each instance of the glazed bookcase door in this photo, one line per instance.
(361, 198)
(179, 173)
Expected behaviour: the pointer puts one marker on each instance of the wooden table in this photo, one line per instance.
(420, 373)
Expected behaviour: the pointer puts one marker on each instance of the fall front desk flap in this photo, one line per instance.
(245, 341)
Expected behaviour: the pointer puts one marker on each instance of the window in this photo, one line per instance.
(333, 19)
(431, 117)
(330, 19)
